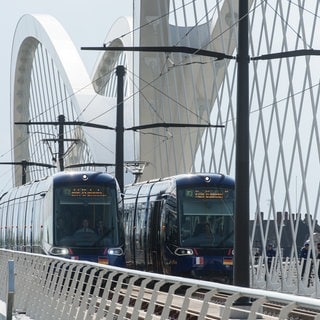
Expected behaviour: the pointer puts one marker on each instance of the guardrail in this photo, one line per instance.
(56, 288)
(287, 276)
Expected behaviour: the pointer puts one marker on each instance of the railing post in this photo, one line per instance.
(10, 296)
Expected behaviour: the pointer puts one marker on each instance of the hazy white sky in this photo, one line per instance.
(86, 22)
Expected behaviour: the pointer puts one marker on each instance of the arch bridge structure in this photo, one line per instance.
(48, 79)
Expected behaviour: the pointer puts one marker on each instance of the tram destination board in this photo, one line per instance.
(204, 194)
(83, 192)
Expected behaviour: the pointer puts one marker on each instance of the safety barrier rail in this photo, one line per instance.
(288, 276)
(56, 288)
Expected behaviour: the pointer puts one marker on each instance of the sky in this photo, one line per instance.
(86, 22)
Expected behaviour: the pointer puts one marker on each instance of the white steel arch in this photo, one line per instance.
(49, 79)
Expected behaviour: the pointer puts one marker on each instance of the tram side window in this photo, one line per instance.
(9, 233)
(140, 225)
(19, 222)
(37, 220)
(5, 224)
(28, 222)
(172, 235)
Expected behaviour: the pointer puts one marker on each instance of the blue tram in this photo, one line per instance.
(75, 215)
(182, 226)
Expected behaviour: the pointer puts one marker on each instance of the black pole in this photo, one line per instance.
(61, 120)
(120, 72)
(241, 248)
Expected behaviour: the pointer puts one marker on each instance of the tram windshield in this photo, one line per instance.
(206, 217)
(85, 216)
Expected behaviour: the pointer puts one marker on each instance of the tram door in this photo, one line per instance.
(154, 232)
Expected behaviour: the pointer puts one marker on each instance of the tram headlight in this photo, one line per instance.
(115, 251)
(183, 252)
(59, 251)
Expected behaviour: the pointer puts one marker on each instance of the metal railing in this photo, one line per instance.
(56, 288)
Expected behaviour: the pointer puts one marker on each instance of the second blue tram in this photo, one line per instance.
(182, 226)
(76, 215)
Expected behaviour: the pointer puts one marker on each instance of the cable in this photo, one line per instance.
(303, 8)
(167, 96)
(198, 22)
(155, 20)
(69, 97)
(286, 23)
(286, 98)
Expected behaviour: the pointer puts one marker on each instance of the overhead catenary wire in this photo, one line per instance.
(68, 97)
(167, 96)
(89, 105)
(153, 21)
